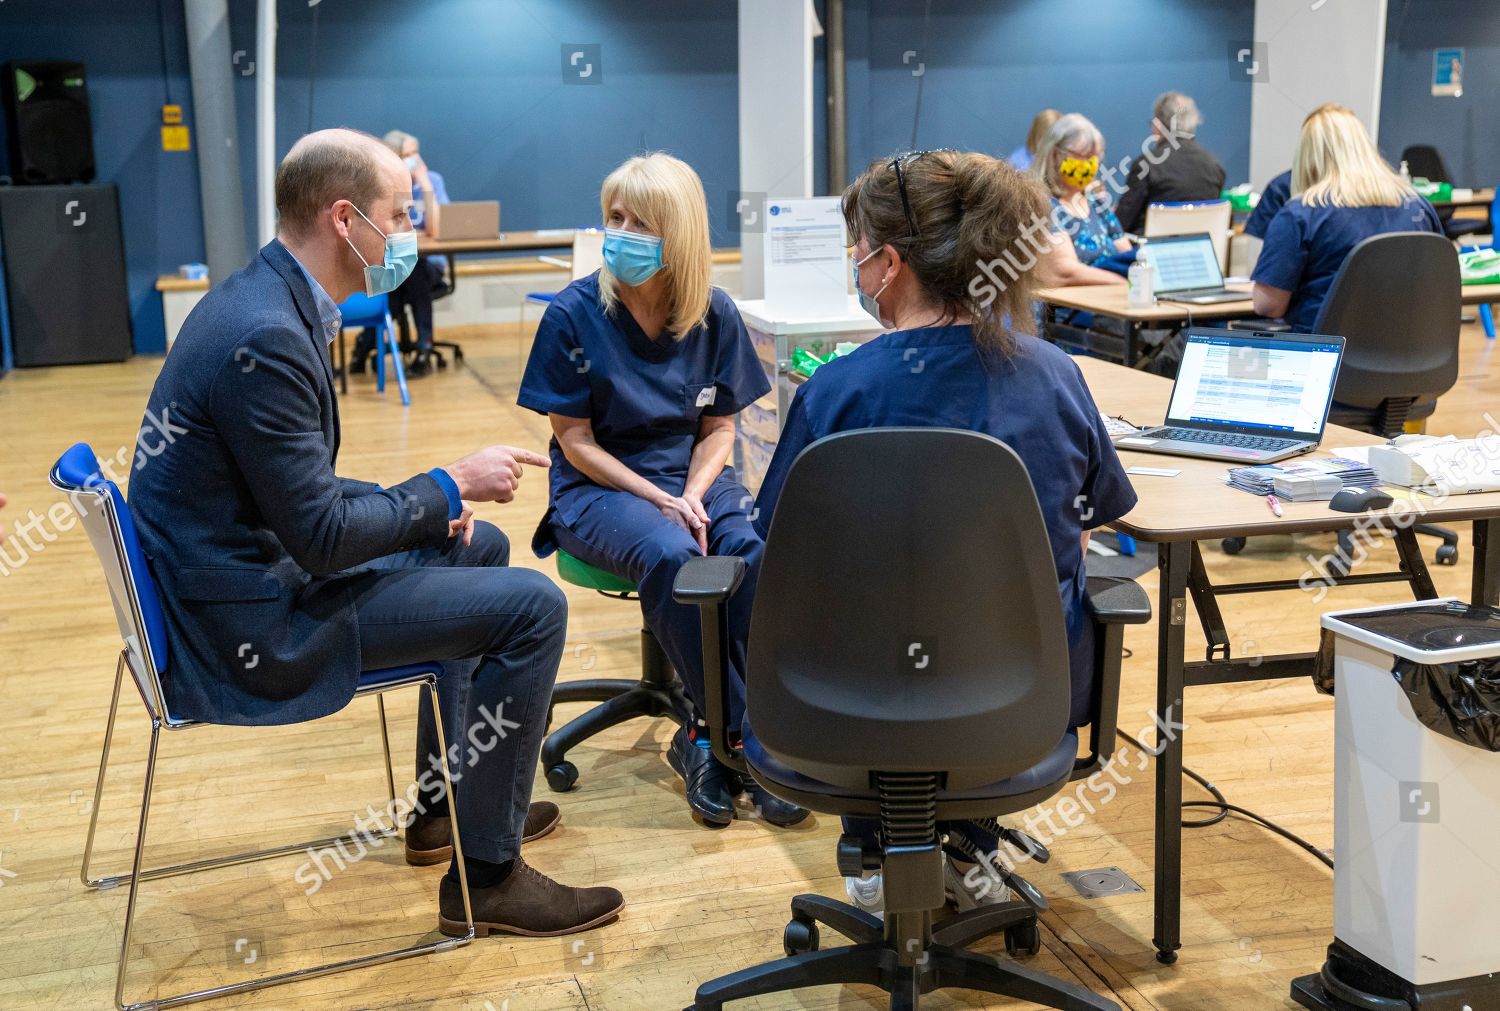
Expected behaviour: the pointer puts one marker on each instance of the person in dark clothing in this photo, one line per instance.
(1277, 192)
(1174, 167)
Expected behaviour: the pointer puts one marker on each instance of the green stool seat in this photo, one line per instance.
(581, 573)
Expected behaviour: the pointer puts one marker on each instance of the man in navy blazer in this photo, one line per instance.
(281, 581)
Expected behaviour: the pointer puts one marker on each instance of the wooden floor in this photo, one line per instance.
(1256, 912)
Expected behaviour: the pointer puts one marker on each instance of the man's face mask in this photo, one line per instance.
(1079, 171)
(400, 259)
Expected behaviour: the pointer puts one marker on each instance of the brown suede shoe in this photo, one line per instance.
(429, 842)
(528, 902)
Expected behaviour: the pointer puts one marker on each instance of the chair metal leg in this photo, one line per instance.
(385, 748)
(1487, 319)
(109, 733)
(138, 875)
(855, 924)
(957, 931)
(396, 366)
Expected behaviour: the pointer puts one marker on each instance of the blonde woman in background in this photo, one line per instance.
(1343, 192)
(641, 368)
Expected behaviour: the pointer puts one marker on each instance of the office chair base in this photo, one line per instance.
(657, 693)
(876, 964)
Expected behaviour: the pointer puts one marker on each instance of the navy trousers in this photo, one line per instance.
(628, 536)
(499, 632)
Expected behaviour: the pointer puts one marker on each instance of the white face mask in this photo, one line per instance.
(870, 303)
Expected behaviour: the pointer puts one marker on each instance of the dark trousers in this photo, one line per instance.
(499, 633)
(416, 291)
(628, 536)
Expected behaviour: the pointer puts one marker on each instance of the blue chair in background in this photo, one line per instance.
(374, 311)
(104, 516)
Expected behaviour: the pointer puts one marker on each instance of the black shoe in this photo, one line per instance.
(420, 366)
(357, 364)
(710, 786)
(773, 809)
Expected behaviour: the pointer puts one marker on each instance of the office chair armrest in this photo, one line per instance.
(708, 583)
(1115, 600)
(708, 580)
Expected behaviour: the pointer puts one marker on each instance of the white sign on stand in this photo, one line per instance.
(806, 257)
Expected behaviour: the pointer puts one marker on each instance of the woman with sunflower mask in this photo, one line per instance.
(1068, 163)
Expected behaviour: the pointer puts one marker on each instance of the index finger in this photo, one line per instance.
(528, 457)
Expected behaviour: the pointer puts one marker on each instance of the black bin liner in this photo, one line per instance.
(1459, 700)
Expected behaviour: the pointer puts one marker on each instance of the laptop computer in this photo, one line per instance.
(1250, 397)
(1186, 269)
(471, 219)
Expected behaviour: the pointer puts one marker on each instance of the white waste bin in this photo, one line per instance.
(1416, 889)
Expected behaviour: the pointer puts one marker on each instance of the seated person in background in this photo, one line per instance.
(1178, 169)
(1272, 199)
(981, 369)
(641, 368)
(428, 194)
(1022, 156)
(255, 538)
(1342, 193)
(1067, 162)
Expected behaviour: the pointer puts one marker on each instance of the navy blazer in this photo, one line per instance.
(246, 526)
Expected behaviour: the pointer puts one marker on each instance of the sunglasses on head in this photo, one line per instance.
(895, 165)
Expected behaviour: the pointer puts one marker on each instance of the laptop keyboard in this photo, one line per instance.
(1237, 441)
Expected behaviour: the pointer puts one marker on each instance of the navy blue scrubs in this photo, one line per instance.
(1035, 402)
(644, 399)
(1305, 246)
(1278, 191)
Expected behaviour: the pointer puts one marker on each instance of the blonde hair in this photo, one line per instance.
(1337, 164)
(1039, 127)
(666, 198)
(1071, 133)
(396, 140)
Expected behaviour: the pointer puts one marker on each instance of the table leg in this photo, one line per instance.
(1486, 579)
(1132, 330)
(1173, 561)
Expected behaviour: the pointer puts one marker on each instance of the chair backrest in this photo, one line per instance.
(1395, 301)
(1191, 217)
(105, 518)
(365, 310)
(907, 615)
(588, 251)
(1426, 161)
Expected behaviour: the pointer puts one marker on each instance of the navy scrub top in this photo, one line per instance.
(644, 397)
(1305, 246)
(1035, 401)
(1276, 194)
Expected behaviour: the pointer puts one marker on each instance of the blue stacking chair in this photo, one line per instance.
(375, 311)
(104, 516)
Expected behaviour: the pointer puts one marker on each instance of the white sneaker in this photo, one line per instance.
(977, 885)
(868, 893)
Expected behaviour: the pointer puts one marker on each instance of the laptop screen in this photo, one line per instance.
(1275, 383)
(1184, 263)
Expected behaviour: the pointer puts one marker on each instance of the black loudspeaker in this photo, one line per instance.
(64, 265)
(47, 128)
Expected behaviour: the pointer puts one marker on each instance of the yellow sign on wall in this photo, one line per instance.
(175, 138)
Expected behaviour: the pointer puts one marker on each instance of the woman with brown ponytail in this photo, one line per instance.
(961, 354)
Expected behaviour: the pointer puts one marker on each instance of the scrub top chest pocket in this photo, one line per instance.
(697, 396)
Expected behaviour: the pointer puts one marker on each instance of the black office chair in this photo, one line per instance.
(441, 289)
(908, 662)
(1395, 300)
(1426, 162)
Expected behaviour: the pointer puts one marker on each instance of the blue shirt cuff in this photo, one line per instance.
(450, 489)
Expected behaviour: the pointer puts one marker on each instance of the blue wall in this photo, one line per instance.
(481, 83)
(1466, 130)
(120, 44)
(990, 66)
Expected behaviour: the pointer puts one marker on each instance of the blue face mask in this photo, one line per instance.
(631, 257)
(400, 260)
(868, 302)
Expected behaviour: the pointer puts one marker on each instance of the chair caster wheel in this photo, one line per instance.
(1166, 957)
(1232, 545)
(1023, 939)
(562, 777)
(1447, 554)
(799, 937)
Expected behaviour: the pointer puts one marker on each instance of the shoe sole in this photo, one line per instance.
(426, 858)
(456, 928)
(712, 821)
